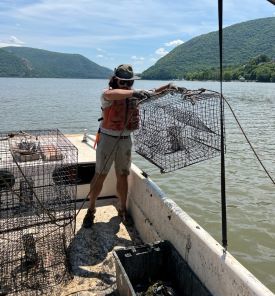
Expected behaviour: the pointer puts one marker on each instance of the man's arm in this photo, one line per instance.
(161, 88)
(122, 94)
(118, 94)
(164, 87)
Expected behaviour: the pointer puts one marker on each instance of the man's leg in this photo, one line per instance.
(104, 159)
(95, 188)
(122, 191)
(122, 167)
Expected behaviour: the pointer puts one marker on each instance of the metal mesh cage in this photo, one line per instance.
(179, 128)
(38, 172)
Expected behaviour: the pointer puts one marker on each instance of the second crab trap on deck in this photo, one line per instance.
(179, 128)
(38, 171)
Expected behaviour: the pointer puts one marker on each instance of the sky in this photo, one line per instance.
(110, 33)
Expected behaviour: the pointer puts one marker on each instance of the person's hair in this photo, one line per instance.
(113, 82)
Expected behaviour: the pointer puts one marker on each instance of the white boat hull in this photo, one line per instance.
(159, 218)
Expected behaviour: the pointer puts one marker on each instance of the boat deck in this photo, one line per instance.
(91, 256)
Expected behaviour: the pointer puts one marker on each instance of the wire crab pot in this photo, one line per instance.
(38, 172)
(179, 128)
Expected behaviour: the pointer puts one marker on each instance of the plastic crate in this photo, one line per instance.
(155, 269)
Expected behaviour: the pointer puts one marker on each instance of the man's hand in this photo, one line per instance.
(141, 94)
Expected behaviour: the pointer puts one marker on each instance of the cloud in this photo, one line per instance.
(161, 51)
(100, 21)
(12, 41)
(100, 50)
(100, 56)
(137, 58)
(137, 62)
(174, 43)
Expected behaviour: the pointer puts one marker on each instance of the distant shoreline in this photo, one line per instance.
(174, 80)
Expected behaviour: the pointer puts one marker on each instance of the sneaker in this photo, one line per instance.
(88, 220)
(126, 219)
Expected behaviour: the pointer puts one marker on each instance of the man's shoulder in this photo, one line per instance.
(104, 91)
(104, 102)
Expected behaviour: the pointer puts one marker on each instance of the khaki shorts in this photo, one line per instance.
(111, 149)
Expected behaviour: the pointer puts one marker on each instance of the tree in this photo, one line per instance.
(263, 74)
(262, 58)
(227, 76)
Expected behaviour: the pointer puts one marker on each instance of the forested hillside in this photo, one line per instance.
(260, 68)
(11, 65)
(32, 62)
(242, 42)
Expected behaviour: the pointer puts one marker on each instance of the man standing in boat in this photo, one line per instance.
(114, 144)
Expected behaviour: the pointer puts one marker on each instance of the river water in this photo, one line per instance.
(72, 105)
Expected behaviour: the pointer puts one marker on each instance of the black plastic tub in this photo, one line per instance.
(155, 269)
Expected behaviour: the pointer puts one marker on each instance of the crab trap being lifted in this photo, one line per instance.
(179, 128)
(38, 172)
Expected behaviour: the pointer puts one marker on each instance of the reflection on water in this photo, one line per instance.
(72, 105)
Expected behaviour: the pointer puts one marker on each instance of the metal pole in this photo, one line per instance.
(223, 193)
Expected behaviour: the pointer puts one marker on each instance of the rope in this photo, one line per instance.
(249, 143)
(246, 137)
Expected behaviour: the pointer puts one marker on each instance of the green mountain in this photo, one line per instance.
(32, 62)
(242, 42)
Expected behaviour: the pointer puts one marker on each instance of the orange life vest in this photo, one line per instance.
(121, 113)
